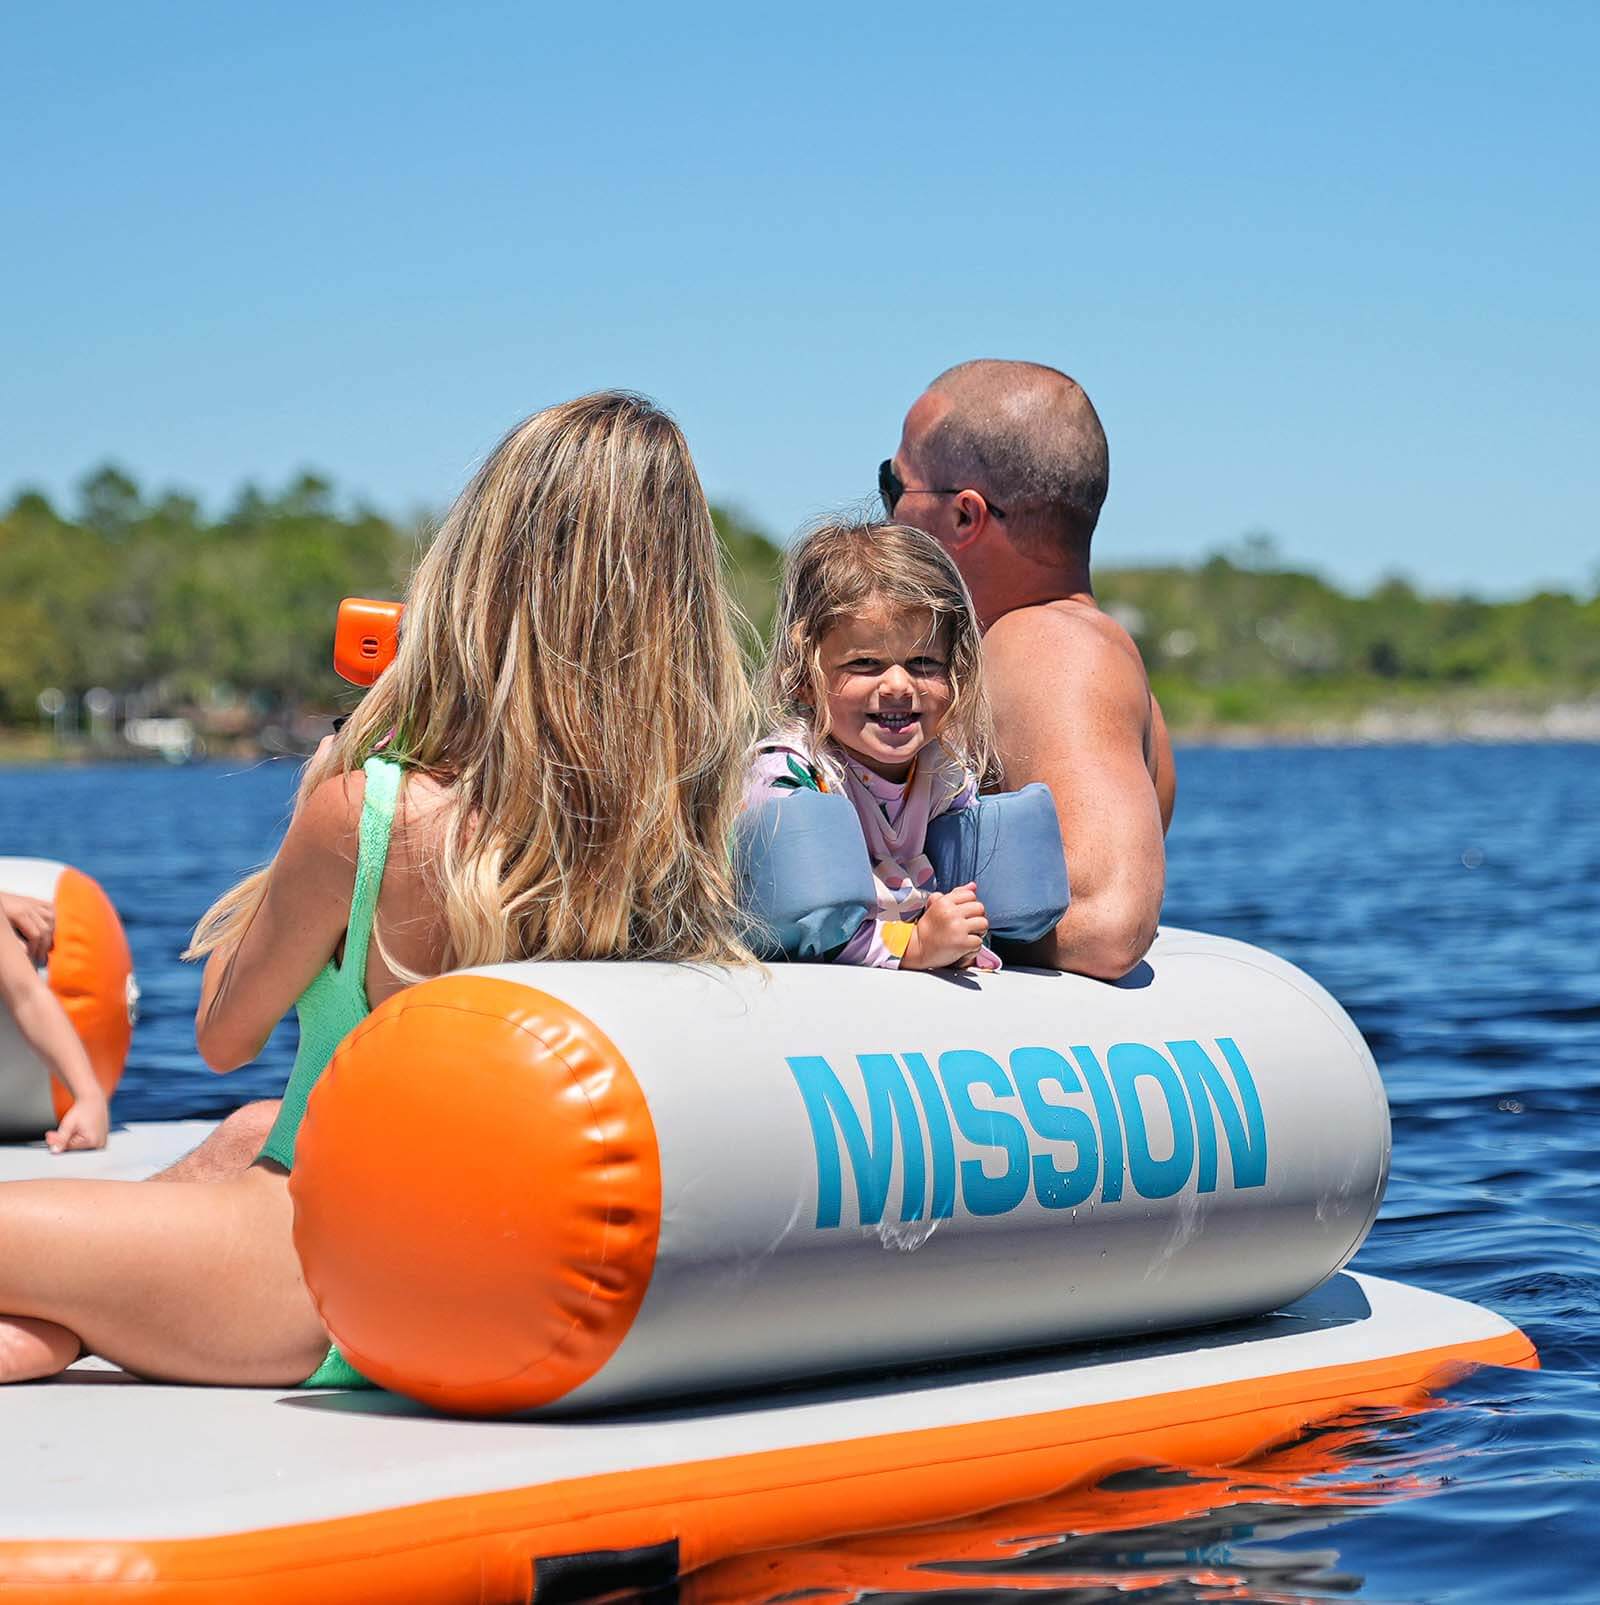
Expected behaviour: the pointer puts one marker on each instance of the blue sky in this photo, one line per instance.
(1328, 272)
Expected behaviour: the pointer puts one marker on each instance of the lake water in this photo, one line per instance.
(1448, 896)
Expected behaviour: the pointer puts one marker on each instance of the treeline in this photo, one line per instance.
(173, 611)
(1243, 638)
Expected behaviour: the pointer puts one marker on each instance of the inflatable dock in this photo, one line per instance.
(661, 1267)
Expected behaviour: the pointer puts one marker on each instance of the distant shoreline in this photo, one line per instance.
(1427, 725)
(1568, 723)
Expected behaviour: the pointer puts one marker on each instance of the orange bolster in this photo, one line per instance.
(90, 971)
(477, 1195)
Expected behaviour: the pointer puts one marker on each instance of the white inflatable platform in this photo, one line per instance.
(116, 1490)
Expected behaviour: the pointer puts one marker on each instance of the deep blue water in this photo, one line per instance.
(1448, 896)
